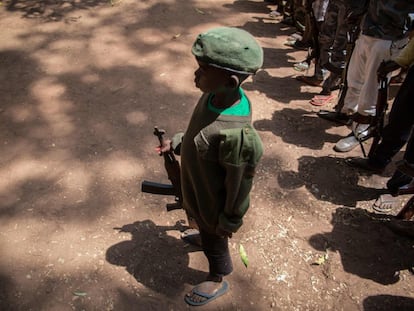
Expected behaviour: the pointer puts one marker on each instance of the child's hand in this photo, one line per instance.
(223, 233)
(165, 147)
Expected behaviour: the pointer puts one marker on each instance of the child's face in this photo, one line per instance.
(210, 79)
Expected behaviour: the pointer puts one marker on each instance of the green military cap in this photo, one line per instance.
(229, 48)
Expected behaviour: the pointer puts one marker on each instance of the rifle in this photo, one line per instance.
(173, 171)
(380, 110)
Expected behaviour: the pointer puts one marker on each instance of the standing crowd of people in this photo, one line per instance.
(354, 45)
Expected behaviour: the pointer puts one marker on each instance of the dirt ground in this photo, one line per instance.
(82, 85)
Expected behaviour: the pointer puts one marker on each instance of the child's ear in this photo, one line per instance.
(234, 81)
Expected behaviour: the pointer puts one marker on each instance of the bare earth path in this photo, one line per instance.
(82, 83)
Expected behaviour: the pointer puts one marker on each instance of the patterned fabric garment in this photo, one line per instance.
(333, 34)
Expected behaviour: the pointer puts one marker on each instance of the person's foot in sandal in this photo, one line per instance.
(321, 100)
(191, 236)
(302, 66)
(385, 203)
(205, 292)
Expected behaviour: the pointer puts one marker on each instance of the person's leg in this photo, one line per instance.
(338, 51)
(327, 33)
(330, 83)
(326, 37)
(217, 252)
(355, 76)
(377, 51)
(309, 29)
(407, 165)
(365, 85)
(380, 50)
(333, 45)
(394, 136)
(398, 180)
(400, 123)
(355, 80)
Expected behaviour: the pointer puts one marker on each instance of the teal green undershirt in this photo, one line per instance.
(241, 109)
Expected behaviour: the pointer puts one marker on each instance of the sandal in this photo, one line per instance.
(275, 14)
(294, 37)
(302, 66)
(300, 45)
(321, 100)
(385, 203)
(290, 43)
(198, 298)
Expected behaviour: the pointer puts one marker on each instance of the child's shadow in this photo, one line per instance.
(155, 259)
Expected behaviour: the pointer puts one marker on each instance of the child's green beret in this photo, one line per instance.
(229, 48)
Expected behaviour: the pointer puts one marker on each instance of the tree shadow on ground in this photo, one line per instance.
(367, 247)
(281, 89)
(268, 27)
(155, 259)
(299, 127)
(341, 188)
(51, 10)
(77, 135)
(272, 59)
(388, 302)
(260, 8)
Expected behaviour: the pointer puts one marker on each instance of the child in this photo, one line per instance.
(219, 150)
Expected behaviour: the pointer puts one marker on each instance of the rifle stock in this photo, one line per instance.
(172, 166)
(157, 188)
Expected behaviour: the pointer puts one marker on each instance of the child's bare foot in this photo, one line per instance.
(205, 292)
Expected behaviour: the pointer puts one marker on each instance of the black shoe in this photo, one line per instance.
(335, 116)
(301, 45)
(288, 21)
(363, 163)
(398, 181)
(332, 68)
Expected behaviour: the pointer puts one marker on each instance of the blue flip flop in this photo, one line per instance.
(221, 291)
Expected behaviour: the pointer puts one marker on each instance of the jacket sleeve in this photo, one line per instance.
(406, 57)
(176, 143)
(239, 153)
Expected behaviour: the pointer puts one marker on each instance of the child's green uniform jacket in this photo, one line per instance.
(219, 154)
